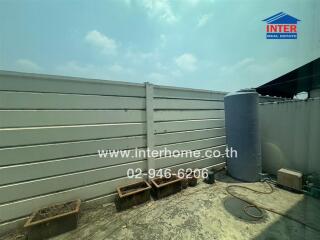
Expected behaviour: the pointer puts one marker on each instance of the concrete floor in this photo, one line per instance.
(202, 212)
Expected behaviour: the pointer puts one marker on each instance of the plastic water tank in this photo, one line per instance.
(243, 135)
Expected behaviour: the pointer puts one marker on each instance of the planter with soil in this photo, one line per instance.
(53, 220)
(133, 194)
(163, 187)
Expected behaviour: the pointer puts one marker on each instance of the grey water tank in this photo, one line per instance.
(243, 135)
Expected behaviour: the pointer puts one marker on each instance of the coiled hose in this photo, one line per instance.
(251, 204)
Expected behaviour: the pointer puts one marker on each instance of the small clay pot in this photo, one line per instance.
(184, 183)
(192, 182)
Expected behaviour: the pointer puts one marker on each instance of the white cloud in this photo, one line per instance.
(26, 65)
(160, 9)
(187, 62)
(106, 44)
(203, 20)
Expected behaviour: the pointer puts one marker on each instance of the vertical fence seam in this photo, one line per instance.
(150, 124)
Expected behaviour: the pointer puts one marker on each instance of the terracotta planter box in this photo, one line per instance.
(163, 187)
(133, 194)
(53, 220)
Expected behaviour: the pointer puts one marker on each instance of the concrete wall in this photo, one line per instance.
(290, 132)
(51, 128)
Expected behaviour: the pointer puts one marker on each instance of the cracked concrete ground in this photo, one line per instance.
(203, 212)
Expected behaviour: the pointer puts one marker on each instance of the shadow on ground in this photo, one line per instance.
(307, 211)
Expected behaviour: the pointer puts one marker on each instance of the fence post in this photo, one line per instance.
(150, 125)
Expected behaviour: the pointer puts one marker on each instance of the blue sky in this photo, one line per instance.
(207, 44)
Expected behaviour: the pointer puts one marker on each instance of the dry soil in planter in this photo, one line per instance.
(133, 194)
(53, 220)
(163, 187)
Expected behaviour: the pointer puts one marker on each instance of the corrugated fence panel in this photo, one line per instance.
(194, 145)
(51, 128)
(24, 207)
(168, 161)
(175, 126)
(188, 120)
(55, 134)
(165, 103)
(27, 100)
(263, 99)
(184, 93)
(174, 115)
(25, 82)
(201, 163)
(36, 153)
(62, 182)
(31, 171)
(36, 118)
(290, 135)
(185, 136)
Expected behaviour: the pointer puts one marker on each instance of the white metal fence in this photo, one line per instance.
(51, 128)
(290, 132)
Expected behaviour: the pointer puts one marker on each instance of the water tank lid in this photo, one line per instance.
(248, 90)
(243, 91)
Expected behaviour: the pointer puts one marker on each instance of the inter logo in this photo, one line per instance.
(281, 26)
